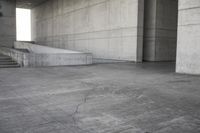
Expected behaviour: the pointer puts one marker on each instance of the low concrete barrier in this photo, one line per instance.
(39, 49)
(45, 56)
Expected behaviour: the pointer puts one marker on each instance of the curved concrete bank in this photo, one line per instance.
(45, 56)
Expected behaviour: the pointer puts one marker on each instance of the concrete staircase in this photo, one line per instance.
(7, 62)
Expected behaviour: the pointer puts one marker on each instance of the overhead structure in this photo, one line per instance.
(28, 4)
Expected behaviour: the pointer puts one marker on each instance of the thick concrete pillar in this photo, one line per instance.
(188, 56)
(160, 34)
(7, 22)
(110, 29)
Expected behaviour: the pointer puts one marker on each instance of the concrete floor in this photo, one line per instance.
(106, 98)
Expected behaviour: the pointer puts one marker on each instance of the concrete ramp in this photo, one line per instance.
(39, 49)
(32, 55)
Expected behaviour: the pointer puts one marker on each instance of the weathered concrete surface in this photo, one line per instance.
(42, 56)
(160, 30)
(7, 22)
(110, 29)
(7, 62)
(39, 49)
(189, 37)
(28, 3)
(109, 98)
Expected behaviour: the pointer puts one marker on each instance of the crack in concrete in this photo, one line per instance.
(73, 115)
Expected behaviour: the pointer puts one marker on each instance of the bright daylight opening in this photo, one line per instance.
(23, 24)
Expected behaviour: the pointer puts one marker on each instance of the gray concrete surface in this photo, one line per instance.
(106, 98)
(32, 55)
(7, 22)
(188, 37)
(7, 62)
(39, 49)
(109, 29)
(160, 30)
(28, 4)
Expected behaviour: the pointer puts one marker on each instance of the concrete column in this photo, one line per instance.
(7, 22)
(160, 34)
(188, 50)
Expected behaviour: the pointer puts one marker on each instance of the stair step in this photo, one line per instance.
(10, 60)
(2, 55)
(5, 57)
(8, 63)
(9, 66)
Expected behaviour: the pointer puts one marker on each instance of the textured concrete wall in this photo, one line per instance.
(110, 29)
(160, 34)
(189, 37)
(7, 22)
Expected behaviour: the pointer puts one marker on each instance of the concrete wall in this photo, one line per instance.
(110, 29)
(188, 56)
(7, 22)
(160, 34)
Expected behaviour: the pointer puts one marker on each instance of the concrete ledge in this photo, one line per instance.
(104, 61)
(39, 49)
(58, 57)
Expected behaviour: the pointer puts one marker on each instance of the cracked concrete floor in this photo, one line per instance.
(104, 98)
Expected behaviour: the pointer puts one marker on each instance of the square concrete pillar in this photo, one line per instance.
(188, 50)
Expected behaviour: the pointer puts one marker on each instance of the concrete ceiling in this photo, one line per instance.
(28, 3)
